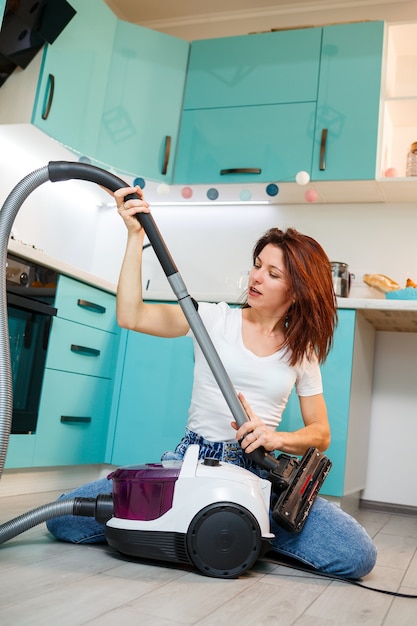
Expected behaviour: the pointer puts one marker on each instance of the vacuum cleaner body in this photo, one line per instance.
(212, 515)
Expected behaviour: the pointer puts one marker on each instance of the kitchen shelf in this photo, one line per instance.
(391, 321)
(385, 315)
(399, 97)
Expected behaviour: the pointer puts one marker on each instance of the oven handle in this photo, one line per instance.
(34, 306)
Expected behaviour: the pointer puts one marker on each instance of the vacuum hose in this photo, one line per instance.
(57, 171)
(7, 216)
(101, 508)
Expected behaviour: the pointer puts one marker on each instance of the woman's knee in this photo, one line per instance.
(331, 541)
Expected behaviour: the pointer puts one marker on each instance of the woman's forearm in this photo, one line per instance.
(129, 303)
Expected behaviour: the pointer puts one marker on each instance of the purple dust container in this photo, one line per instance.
(143, 492)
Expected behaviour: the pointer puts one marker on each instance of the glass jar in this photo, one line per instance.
(411, 168)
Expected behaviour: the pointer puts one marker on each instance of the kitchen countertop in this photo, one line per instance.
(38, 256)
(382, 314)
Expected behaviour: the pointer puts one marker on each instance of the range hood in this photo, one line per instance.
(26, 27)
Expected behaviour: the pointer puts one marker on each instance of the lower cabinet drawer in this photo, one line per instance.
(86, 304)
(80, 349)
(73, 419)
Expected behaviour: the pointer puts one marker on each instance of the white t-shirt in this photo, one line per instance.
(266, 382)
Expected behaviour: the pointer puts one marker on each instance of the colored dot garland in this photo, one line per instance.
(311, 195)
(272, 190)
(212, 194)
(187, 193)
(245, 195)
(302, 178)
(140, 182)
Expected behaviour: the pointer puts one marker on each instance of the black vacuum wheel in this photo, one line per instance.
(223, 540)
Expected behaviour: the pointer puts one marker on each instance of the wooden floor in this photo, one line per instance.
(47, 582)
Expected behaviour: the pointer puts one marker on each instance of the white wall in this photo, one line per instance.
(392, 462)
(212, 244)
(58, 218)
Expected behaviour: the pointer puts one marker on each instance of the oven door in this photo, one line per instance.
(29, 328)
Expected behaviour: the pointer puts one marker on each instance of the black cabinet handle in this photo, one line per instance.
(46, 332)
(241, 170)
(166, 154)
(75, 419)
(51, 86)
(91, 306)
(323, 145)
(27, 340)
(84, 350)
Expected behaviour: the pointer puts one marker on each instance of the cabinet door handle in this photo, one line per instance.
(75, 419)
(241, 170)
(51, 85)
(91, 306)
(84, 350)
(166, 154)
(323, 145)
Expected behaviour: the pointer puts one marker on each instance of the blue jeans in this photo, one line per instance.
(331, 541)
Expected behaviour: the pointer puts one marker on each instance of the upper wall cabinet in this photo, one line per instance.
(113, 91)
(399, 128)
(245, 144)
(263, 107)
(249, 108)
(143, 102)
(268, 68)
(73, 79)
(346, 136)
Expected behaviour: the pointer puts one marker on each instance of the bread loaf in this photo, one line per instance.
(381, 282)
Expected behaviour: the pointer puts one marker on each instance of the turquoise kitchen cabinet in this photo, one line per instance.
(20, 451)
(245, 144)
(82, 303)
(74, 419)
(154, 392)
(267, 68)
(79, 348)
(346, 135)
(249, 108)
(78, 385)
(143, 102)
(334, 70)
(347, 384)
(113, 91)
(73, 78)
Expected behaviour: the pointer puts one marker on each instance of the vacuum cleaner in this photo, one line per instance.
(205, 513)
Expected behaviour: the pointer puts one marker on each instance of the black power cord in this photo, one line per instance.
(292, 564)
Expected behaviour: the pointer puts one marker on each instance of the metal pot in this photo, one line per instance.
(342, 279)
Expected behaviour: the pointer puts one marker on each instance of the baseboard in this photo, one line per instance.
(44, 479)
(386, 507)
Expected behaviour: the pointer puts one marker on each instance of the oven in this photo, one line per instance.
(30, 308)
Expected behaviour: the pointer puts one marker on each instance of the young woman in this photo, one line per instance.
(275, 342)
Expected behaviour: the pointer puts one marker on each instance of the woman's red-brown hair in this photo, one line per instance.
(311, 319)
